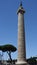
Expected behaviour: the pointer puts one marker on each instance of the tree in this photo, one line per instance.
(32, 61)
(8, 48)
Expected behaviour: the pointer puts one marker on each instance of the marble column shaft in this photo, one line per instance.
(21, 38)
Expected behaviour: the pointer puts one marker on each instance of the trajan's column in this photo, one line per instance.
(21, 37)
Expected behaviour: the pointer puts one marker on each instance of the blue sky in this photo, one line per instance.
(9, 25)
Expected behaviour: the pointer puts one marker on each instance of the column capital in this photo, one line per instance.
(20, 9)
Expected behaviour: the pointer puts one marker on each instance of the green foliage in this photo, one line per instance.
(8, 48)
(32, 60)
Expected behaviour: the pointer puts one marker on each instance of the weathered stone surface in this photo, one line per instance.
(21, 38)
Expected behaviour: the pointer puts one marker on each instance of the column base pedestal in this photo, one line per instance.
(21, 63)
